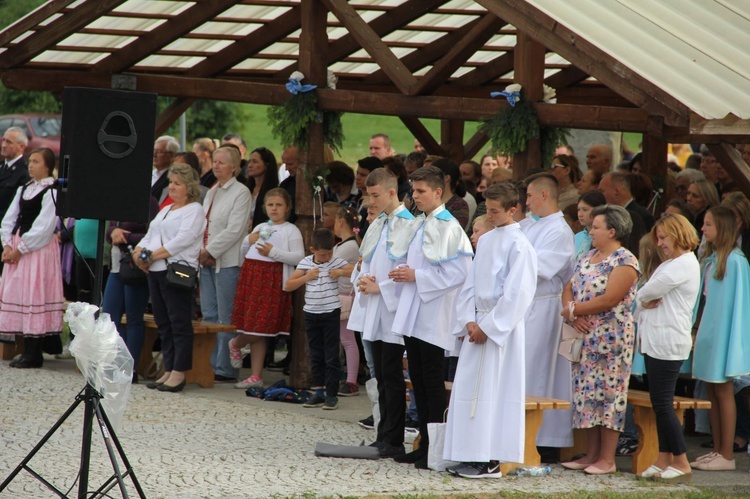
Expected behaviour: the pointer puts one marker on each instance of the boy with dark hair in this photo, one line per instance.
(322, 315)
(486, 423)
(383, 248)
(437, 262)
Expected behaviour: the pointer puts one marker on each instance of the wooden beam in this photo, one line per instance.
(256, 41)
(423, 135)
(731, 160)
(171, 114)
(585, 55)
(566, 78)
(487, 73)
(730, 125)
(457, 55)
(529, 73)
(388, 104)
(371, 42)
(31, 20)
(161, 36)
(475, 144)
(654, 160)
(56, 31)
(452, 139)
(428, 53)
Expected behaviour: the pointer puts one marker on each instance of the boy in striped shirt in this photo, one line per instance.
(319, 273)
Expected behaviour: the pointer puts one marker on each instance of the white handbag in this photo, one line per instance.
(571, 341)
(436, 434)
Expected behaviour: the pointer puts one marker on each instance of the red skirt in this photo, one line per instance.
(261, 306)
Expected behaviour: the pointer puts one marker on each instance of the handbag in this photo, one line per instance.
(180, 275)
(571, 341)
(436, 433)
(130, 274)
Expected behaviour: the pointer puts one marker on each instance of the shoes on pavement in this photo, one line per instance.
(252, 381)
(368, 423)
(387, 450)
(330, 404)
(348, 390)
(218, 378)
(235, 355)
(480, 470)
(314, 401)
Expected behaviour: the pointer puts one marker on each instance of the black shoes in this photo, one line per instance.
(152, 385)
(368, 423)
(387, 450)
(411, 457)
(25, 363)
(218, 378)
(173, 389)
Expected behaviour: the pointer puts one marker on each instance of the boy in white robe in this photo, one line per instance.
(549, 374)
(436, 266)
(486, 418)
(383, 248)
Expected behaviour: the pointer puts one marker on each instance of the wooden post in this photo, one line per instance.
(452, 139)
(313, 47)
(654, 159)
(528, 59)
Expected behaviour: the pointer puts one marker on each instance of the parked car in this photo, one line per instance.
(43, 130)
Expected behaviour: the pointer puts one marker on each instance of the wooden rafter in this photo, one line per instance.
(458, 55)
(731, 160)
(162, 35)
(423, 135)
(475, 144)
(428, 53)
(56, 31)
(589, 58)
(43, 12)
(566, 77)
(491, 70)
(371, 42)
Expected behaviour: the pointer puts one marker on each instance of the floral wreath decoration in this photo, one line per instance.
(511, 129)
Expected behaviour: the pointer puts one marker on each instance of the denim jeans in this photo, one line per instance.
(217, 300)
(369, 360)
(324, 342)
(131, 301)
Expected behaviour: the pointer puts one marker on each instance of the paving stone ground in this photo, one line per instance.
(219, 443)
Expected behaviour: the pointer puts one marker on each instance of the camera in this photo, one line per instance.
(145, 255)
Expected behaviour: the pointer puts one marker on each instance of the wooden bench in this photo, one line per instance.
(645, 420)
(535, 407)
(203, 344)
(10, 350)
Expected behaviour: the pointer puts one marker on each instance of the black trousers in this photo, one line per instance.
(389, 372)
(662, 380)
(427, 372)
(323, 338)
(173, 319)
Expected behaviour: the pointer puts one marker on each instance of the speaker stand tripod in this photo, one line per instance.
(92, 409)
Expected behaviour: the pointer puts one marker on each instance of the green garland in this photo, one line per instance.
(550, 138)
(291, 122)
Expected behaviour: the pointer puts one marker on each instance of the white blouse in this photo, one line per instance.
(43, 228)
(288, 247)
(180, 231)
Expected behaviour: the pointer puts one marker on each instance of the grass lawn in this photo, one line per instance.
(357, 131)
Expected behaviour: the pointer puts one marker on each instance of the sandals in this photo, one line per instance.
(673, 475)
(650, 472)
(235, 355)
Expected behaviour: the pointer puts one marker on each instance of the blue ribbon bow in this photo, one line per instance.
(511, 97)
(295, 87)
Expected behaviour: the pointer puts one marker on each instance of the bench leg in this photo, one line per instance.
(648, 439)
(146, 352)
(10, 350)
(530, 456)
(201, 373)
(579, 446)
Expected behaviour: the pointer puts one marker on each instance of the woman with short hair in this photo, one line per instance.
(567, 172)
(597, 302)
(204, 149)
(174, 236)
(701, 195)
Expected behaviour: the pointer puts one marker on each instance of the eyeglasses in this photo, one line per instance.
(557, 165)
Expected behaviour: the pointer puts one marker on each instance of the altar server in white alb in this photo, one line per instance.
(437, 262)
(383, 248)
(486, 420)
(547, 373)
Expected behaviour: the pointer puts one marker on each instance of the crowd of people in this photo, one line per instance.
(466, 272)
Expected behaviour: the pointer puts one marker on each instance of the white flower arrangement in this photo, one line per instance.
(297, 76)
(549, 93)
(331, 80)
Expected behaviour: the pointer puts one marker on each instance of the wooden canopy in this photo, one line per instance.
(408, 58)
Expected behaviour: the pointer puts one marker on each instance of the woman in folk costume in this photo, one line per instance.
(486, 420)
(31, 293)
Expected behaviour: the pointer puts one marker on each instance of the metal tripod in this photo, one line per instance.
(92, 408)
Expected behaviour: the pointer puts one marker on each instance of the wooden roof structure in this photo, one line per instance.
(408, 58)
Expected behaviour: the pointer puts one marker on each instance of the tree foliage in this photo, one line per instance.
(207, 118)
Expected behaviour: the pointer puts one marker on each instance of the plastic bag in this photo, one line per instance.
(102, 357)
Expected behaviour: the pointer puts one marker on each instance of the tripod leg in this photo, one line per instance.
(91, 398)
(128, 468)
(108, 444)
(41, 443)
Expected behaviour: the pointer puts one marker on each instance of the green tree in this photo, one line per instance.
(209, 118)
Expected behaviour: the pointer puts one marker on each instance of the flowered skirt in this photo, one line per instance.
(261, 306)
(31, 292)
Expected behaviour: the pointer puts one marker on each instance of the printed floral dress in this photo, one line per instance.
(600, 380)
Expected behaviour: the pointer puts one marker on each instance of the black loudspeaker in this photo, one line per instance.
(106, 154)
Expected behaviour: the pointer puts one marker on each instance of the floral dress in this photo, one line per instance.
(600, 380)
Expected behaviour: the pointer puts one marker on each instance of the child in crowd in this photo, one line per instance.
(487, 407)
(721, 350)
(480, 226)
(383, 248)
(437, 262)
(262, 307)
(346, 228)
(330, 209)
(322, 315)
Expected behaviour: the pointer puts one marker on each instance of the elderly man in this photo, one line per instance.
(684, 179)
(616, 189)
(547, 373)
(599, 158)
(234, 139)
(165, 148)
(708, 164)
(14, 171)
(380, 146)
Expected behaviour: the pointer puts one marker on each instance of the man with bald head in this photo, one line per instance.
(599, 158)
(616, 189)
(547, 373)
(14, 171)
